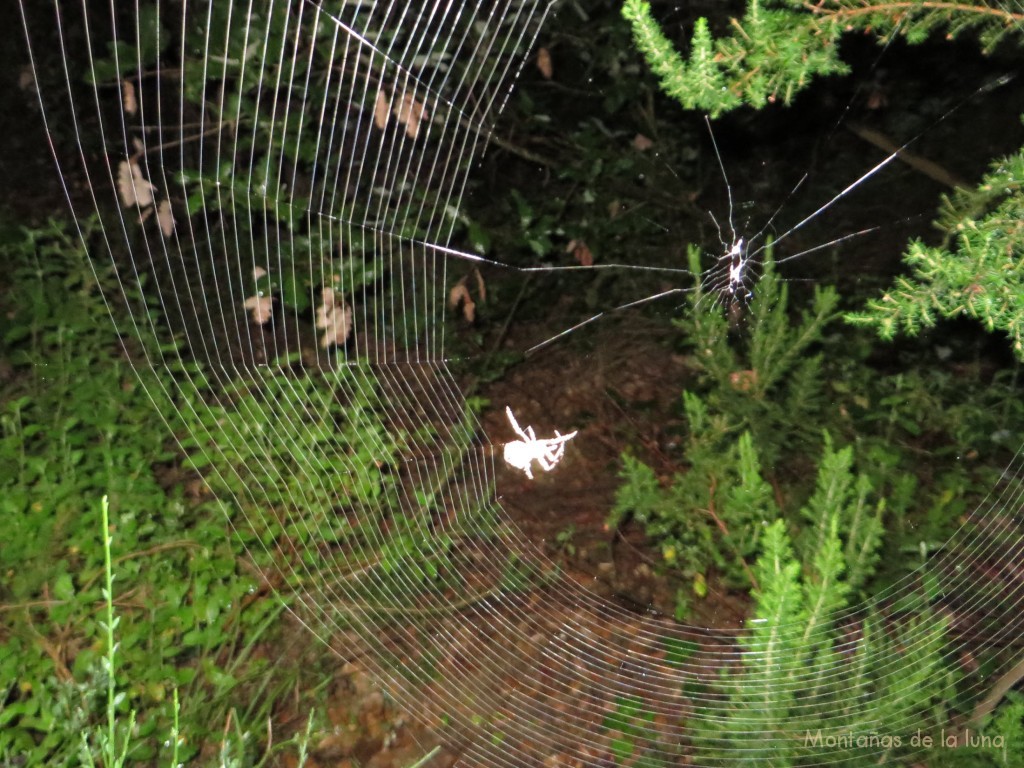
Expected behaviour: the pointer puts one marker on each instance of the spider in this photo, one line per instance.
(737, 267)
(522, 453)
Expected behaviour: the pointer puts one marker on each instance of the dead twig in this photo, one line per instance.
(845, 12)
(929, 168)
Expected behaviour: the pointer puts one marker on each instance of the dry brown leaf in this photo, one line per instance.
(381, 109)
(165, 218)
(133, 187)
(544, 63)
(614, 208)
(335, 319)
(146, 213)
(481, 287)
(410, 113)
(131, 104)
(26, 79)
(743, 381)
(877, 99)
(339, 327)
(322, 312)
(262, 308)
(641, 143)
(138, 145)
(581, 253)
(258, 273)
(459, 296)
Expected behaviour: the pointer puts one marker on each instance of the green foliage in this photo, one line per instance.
(697, 84)
(79, 417)
(982, 278)
(777, 48)
(110, 754)
(1009, 723)
(763, 705)
(766, 392)
(768, 379)
(113, 744)
(772, 55)
(793, 685)
(707, 517)
(322, 486)
(78, 421)
(990, 21)
(764, 389)
(628, 724)
(707, 520)
(996, 742)
(713, 514)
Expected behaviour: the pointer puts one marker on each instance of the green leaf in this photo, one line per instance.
(63, 587)
(678, 652)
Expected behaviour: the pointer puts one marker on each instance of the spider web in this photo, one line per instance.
(279, 182)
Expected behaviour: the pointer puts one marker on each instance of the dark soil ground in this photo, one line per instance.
(623, 390)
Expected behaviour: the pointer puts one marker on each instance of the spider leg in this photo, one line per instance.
(559, 438)
(545, 463)
(515, 425)
(552, 454)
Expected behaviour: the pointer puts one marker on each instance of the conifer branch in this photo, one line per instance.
(982, 278)
(772, 55)
(845, 14)
(916, 19)
(779, 46)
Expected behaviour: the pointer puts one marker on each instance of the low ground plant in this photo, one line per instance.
(78, 422)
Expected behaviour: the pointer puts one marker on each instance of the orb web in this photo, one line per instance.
(278, 185)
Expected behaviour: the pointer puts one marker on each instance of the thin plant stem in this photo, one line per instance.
(108, 596)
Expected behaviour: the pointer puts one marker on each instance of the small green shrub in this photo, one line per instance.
(806, 672)
(767, 376)
(306, 470)
(762, 398)
(766, 390)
